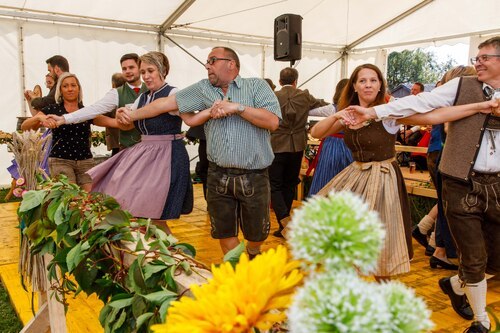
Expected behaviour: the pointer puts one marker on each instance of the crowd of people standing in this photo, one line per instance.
(255, 139)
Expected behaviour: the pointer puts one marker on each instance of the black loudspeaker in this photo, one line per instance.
(288, 37)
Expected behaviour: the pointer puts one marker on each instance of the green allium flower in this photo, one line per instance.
(338, 303)
(338, 231)
(409, 313)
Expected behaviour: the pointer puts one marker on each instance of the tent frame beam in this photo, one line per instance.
(175, 15)
(18, 13)
(247, 39)
(388, 24)
(430, 40)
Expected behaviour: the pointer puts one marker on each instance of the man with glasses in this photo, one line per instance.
(470, 166)
(244, 111)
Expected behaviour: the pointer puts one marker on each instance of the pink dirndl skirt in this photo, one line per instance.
(138, 177)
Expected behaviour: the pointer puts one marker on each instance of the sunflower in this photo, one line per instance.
(252, 295)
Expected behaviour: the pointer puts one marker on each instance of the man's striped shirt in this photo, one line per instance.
(233, 142)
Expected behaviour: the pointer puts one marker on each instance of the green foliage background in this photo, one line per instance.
(415, 66)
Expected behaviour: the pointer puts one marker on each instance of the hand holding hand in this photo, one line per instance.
(222, 109)
(49, 123)
(491, 106)
(359, 114)
(124, 116)
(55, 121)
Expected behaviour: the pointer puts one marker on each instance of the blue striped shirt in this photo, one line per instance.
(233, 142)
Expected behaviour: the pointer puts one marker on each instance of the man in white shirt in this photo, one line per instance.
(115, 98)
(471, 178)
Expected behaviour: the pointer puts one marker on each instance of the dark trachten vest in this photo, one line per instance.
(465, 135)
(127, 95)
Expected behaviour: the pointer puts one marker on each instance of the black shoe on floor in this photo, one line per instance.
(435, 262)
(429, 251)
(476, 327)
(277, 233)
(459, 303)
(419, 237)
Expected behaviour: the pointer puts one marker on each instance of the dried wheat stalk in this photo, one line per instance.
(29, 149)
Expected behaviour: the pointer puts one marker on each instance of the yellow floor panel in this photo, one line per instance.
(195, 229)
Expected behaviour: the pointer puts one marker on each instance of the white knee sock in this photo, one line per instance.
(426, 224)
(456, 284)
(476, 294)
(432, 240)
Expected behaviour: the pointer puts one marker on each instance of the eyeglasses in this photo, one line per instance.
(212, 60)
(483, 57)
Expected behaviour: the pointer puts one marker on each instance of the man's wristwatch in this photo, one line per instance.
(240, 108)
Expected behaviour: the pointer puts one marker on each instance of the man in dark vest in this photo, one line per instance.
(56, 65)
(470, 166)
(115, 98)
(289, 142)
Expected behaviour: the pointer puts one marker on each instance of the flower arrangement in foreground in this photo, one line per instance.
(339, 236)
(252, 295)
(338, 231)
(130, 265)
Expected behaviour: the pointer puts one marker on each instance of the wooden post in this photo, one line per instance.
(50, 316)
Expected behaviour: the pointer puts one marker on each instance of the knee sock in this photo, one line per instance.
(456, 284)
(432, 240)
(476, 294)
(426, 224)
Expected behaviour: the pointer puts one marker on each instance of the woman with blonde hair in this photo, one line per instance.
(152, 178)
(70, 153)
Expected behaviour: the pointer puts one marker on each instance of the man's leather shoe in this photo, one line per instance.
(419, 237)
(435, 262)
(459, 303)
(476, 327)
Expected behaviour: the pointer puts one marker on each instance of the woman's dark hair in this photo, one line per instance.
(338, 90)
(350, 97)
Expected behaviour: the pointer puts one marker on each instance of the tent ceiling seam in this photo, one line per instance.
(388, 24)
(175, 15)
(16, 13)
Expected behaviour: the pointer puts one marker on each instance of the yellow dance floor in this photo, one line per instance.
(194, 228)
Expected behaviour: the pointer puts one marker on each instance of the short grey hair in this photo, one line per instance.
(58, 96)
(158, 59)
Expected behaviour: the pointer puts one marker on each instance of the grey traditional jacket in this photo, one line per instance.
(295, 105)
(465, 135)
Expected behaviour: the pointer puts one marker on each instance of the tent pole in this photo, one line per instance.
(159, 45)
(20, 44)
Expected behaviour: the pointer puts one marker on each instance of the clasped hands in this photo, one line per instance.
(50, 121)
(353, 116)
(219, 109)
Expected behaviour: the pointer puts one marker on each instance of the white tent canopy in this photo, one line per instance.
(337, 36)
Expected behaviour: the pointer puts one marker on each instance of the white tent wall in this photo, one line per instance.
(368, 29)
(10, 87)
(93, 55)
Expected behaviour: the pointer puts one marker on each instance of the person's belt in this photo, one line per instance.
(234, 171)
(482, 173)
